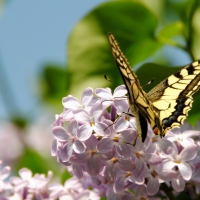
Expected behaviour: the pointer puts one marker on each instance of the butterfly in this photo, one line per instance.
(165, 106)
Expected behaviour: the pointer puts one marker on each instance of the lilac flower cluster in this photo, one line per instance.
(24, 187)
(37, 187)
(98, 137)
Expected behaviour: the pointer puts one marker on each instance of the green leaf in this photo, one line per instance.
(196, 34)
(37, 163)
(89, 55)
(172, 34)
(53, 83)
(33, 161)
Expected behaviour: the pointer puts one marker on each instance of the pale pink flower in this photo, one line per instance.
(179, 159)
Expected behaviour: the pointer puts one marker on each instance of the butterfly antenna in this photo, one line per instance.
(135, 141)
(150, 82)
(112, 123)
(108, 79)
(118, 119)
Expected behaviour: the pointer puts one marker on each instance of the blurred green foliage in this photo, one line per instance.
(54, 83)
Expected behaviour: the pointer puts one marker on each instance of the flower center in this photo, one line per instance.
(92, 152)
(180, 139)
(137, 154)
(128, 174)
(126, 117)
(177, 161)
(154, 139)
(114, 160)
(153, 173)
(115, 139)
(92, 123)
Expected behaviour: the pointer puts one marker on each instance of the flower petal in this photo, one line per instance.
(81, 115)
(96, 111)
(72, 127)
(105, 145)
(167, 175)
(119, 185)
(104, 93)
(77, 170)
(66, 196)
(129, 135)
(60, 133)
(165, 146)
(25, 173)
(152, 159)
(79, 147)
(152, 186)
(139, 167)
(101, 129)
(121, 105)
(84, 132)
(93, 101)
(71, 102)
(68, 115)
(185, 171)
(107, 156)
(87, 96)
(188, 153)
(84, 195)
(120, 91)
(141, 191)
(190, 133)
(178, 184)
(79, 158)
(5, 173)
(54, 148)
(168, 164)
(126, 165)
(123, 150)
(121, 124)
(92, 166)
(109, 173)
(128, 196)
(91, 143)
(66, 152)
(137, 180)
(95, 180)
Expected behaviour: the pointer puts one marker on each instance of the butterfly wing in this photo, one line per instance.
(139, 104)
(172, 98)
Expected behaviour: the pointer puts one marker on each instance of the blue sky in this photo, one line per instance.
(32, 33)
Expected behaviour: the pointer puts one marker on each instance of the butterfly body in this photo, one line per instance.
(166, 106)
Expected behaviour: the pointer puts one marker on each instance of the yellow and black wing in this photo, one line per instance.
(139, 105)
(172, 98)
(166, 106)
